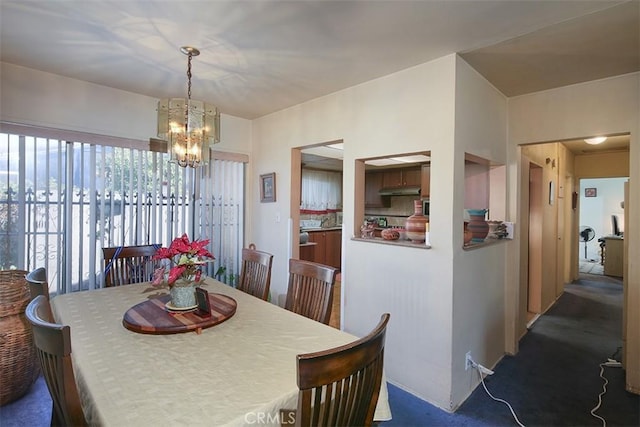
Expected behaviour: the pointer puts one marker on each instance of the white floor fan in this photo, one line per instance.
(586, 235)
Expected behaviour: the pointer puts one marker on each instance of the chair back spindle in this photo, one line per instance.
(255, 274)
(340, 386)
(124, 265)
(310, 290)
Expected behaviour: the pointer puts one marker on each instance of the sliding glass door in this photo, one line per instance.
(61, 202)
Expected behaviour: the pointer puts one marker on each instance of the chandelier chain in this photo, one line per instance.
(189, 76)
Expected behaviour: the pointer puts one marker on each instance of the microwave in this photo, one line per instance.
(425, 207)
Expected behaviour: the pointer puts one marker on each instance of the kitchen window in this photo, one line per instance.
(321, 192)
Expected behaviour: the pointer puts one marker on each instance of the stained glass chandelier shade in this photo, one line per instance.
(190, 127)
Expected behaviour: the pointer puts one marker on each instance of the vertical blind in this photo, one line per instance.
(61, 202)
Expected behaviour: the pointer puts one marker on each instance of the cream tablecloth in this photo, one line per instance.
(240, 372)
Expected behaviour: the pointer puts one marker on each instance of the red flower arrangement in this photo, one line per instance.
(186, 259)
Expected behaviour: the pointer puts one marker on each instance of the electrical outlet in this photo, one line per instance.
(468, 361)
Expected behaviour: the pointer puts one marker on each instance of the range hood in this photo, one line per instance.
(400, 191)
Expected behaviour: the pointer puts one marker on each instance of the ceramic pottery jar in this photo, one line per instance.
(468, 235)
(390, 234)
(367, 230)
(478, 225)
(416, 225)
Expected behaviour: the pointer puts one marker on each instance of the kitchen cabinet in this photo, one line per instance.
(320, 239)
(405, 177)
(389, 178)
(328, 247)
(392, 178)
(425, 180)
(411, 177)
(373, 182)
(333, 248)
(307, 251)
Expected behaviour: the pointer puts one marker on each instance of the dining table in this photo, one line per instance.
(237, 372)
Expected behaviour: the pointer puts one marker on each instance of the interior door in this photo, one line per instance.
(534, 286)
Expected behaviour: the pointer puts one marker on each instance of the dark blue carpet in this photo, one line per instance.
(408, 411)
(554, 379)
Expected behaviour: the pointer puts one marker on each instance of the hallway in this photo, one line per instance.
(554, 379)
(591, 267)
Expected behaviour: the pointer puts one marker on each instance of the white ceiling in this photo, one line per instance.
(262, 56)
(323, 157)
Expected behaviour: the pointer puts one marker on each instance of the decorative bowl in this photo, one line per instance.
(390, 234)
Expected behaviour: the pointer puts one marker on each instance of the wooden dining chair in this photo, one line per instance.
(255, 274)
(340, 386)
(38, 285)
(124, 265)
(37, 280)
(53, 346)
(310, 290)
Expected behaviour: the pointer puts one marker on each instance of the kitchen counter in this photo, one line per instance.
(315, 229)
(405, 243)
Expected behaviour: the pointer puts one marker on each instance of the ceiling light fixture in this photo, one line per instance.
(189, 127)
(595, 141)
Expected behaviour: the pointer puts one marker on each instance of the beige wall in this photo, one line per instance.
(478, 275)
(601, 107)
(32, 97)
(409, 111)
(567, 218)
(550, 213)
(43, 99)
(605, 165)
(438, 311)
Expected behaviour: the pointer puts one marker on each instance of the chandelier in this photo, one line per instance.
(188, 126)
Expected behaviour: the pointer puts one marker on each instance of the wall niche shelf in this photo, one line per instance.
(484, 188)
(404, 243)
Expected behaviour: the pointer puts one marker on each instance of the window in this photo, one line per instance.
(61, 202)
(484, 200)
(321, 191)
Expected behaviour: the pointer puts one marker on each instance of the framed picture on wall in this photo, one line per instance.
(268, 187)
(590, 192)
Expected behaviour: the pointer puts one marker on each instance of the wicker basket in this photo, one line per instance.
(19, 366)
